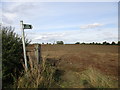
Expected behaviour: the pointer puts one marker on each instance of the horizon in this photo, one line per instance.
(90, 43)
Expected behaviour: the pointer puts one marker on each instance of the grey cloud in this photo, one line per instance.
(6, 20)
(22, 9)
(18, 8)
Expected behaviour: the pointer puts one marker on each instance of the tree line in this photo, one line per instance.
(93, 43)
(103, 43)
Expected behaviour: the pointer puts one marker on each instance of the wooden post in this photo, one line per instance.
(37, 53)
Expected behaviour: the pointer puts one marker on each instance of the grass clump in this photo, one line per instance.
(92, 78)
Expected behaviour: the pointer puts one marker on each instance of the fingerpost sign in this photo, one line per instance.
(24, 26)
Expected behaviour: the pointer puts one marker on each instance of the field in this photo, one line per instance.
(84, 66)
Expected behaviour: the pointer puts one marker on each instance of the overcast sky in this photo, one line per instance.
(67, 21)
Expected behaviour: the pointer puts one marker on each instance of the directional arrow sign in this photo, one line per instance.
(27, 26)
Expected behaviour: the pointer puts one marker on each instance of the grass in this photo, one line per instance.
(79, 67)
(94, 78)
(76, 61)
(48, 76)
(89, 78)
(39, 76)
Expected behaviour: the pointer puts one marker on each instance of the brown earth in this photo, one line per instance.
(80, 57)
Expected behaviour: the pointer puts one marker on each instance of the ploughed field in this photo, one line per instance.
(84, 65)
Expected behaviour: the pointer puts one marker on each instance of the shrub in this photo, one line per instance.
(12, 56)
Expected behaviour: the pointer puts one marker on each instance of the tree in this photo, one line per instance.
(12, 56)
(118, 42)
(113, 43)
(77, 43)
(93, 43)
(60, 42)
(106, 43)
(83, 43)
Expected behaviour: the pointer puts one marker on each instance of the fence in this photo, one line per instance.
(34, 54)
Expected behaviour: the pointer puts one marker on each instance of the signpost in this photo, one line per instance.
(24, 26)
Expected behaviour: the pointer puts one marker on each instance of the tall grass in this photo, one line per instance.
(95, 79)
(89, 78)
(38, 76)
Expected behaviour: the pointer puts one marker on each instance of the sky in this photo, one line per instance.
(70, 22)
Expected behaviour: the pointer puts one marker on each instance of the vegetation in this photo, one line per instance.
(85, 66)
(118, 42)
(60, 42)
(77, 43)
(113, 43)
(89, 78)
(14, 76)
(12, 56)
(104, 43)
(93, 43)
(38, 76)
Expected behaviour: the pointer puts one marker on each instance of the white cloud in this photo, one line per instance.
(91, 26)
(96, 35)
(45, 37)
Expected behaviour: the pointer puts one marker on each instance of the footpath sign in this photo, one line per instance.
(27, 26)
(24, 26)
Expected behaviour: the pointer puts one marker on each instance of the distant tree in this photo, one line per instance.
(77, 43)
(83, 43)
(96, 43)
(93, 43)
(99, 43)
(113, 43)
(118, 42)
(60, 42)
(42, 43)
(106, 43)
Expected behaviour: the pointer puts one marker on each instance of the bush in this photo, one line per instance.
(12, 56)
